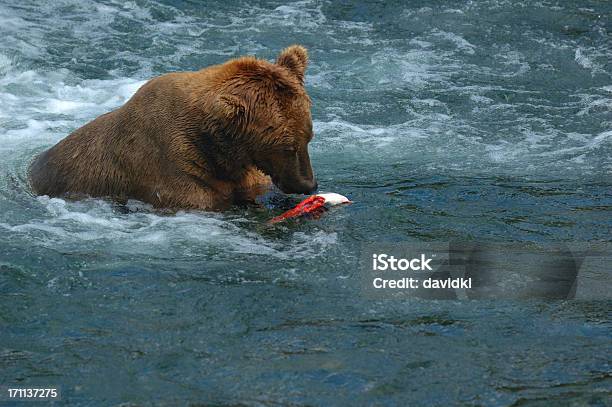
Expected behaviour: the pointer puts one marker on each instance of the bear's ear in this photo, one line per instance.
(295, 59)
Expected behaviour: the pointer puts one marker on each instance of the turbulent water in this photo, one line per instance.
(462, 120)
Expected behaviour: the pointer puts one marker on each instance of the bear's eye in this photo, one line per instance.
(289, 149)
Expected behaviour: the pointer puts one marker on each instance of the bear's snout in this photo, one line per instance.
(301, 187)
(310, 187)
(314, 188)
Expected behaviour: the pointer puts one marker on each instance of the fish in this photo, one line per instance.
(314, 205)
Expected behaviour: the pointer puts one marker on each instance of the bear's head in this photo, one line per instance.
(269, 120)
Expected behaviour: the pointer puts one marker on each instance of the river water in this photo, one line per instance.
(462, 120)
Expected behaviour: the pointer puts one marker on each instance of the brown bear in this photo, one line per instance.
(205, 140)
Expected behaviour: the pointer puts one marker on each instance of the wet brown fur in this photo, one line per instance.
(205, 139)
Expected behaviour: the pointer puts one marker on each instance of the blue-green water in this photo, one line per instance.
(457, 120)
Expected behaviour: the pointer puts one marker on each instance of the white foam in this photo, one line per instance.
(514, 59)
(481, 99)
(5, 64)
(593, 59)
(74, 223)
(582, 59)
(64, 106)
(299, 14)
(460, 42)
(595, 104)
(26, 96)
(413, 69)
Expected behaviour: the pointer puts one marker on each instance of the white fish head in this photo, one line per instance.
(332, 198)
